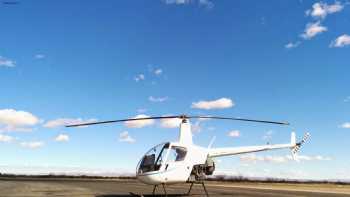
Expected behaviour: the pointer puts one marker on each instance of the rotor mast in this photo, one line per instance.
(185, 135)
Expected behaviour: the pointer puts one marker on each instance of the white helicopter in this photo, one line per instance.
(184, 162)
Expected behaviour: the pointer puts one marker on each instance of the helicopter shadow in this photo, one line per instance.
(144, 195)
(161, 195)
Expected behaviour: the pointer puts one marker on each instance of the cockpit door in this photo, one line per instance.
(176, 167)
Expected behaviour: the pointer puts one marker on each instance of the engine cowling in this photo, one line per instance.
(199, 172)
(209, 166)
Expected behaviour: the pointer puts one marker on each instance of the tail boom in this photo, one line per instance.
(218, 152)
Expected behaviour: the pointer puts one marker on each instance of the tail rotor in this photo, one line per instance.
(296, 148)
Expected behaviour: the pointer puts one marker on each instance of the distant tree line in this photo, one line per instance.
(225, 178)
(5, 175)
(220, 178)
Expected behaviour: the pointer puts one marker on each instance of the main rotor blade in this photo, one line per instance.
(122, 120)
(178, 116)
(240, 119)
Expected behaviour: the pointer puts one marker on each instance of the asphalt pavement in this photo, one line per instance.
(122, 188)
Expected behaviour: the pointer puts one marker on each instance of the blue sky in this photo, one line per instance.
(76, 61)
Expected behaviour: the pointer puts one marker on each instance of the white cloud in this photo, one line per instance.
(139, 123)
(139, 77)
(268, 135)
(253, 158)
(234, 133)
(211, 128)
(313, 29)
(262, 20)
(320, 10)
(62, 138)
(170, 122)
(291, 45)
(196, 127)
(221, 103)
(66, 121)
(13, 120)
(206, 3)
(275, 159)
(341, 41)
(158, 71)
(345, 125)
(125, 137)
(177, 2)
(46, 169)
(310, 158)
(32, 145)
(6, 62)
(217, 160)
(6, 138)
(141, 110)
(250, 158)
(39, 56)
(157, 99)
(175, 123)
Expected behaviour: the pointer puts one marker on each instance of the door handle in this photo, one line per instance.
(166, 167)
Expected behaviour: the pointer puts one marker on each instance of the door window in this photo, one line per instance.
(177, 153)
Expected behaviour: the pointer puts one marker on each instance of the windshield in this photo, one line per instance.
(153, 159)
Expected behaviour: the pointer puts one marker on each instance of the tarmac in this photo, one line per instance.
(122, 188)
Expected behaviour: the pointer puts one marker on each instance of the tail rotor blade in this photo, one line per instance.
(298, 145)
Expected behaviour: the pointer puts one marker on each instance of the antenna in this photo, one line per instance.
(211, 142)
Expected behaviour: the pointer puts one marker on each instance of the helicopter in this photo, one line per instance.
(183, 161)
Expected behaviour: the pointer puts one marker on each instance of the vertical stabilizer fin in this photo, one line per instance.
(292, 139)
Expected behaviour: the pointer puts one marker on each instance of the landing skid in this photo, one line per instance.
(166, 194)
